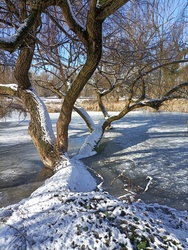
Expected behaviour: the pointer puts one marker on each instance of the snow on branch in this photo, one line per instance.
(98, 5)
(156, 103)
(12, 39)
(12, 86)
(8, 89)
(149, 183)
(11, 42)
(44, 119)
(85, 116)
(91, 142)
(108, 7)
(153, 103)
(74, 17)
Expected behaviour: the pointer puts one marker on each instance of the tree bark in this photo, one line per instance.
(94, 51)
(40, 128)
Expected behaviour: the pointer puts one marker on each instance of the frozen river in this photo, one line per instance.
(141, 145)
(153, 145)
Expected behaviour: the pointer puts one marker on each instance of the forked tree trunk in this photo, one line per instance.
(40, 129)
(70, 99)
(50, 149)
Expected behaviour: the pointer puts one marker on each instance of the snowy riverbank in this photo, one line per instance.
(55, 217)
(69, 212)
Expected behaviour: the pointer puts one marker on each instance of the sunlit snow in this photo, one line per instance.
(44, 119)
(69, 212)
(12, 39)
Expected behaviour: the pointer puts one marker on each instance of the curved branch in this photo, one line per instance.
(152, 103)
(109, 7)
(11, 43)
(113, 118)
(72, 21)
(177, 87)
(143, 73)
(85, 116)
(160, 66)
(101, 105)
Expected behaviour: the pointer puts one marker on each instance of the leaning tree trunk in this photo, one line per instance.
(40, 128)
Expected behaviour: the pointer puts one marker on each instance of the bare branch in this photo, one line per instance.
(12, 43)
(177, 87)
(109, 7)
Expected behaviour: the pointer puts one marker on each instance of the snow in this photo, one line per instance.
(136, 151)
(88, 148)
(55, 217)
(12, 39)
(17, 131)
(78, 178)
(74, 17)
(44, 119)
(149, 182)
(12, 86)
(15, 139)
(98, 5)
(70, 212)
(86, 115)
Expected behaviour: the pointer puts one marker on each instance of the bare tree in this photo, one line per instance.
(65, 39)
(21, 24)
(144, 54)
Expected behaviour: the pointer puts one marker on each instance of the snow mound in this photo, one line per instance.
(90, 220)
(54, 217)
(70, 212)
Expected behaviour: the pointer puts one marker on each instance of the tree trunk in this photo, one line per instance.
(50, 150)
(40, 128)
(94, 51)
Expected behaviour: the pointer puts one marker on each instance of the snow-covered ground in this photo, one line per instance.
(66, 213)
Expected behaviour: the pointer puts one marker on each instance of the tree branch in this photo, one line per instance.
(72, 21)
(151, 70)
(9, 90)
(152, 103)
(163, 65)
(12, 8)
(177, 87)
(109, 7)
(11, 43)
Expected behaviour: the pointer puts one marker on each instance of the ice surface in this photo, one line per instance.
(65, 214)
